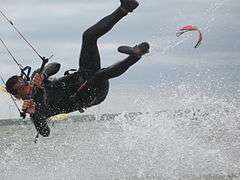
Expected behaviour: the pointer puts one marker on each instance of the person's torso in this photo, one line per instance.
(55, 98)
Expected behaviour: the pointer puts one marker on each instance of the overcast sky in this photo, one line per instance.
(55, 27)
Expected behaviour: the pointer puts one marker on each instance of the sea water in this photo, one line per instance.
(180, 132)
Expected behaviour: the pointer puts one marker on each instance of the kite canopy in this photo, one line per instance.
(188, 29)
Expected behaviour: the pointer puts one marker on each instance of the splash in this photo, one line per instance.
(197, 136)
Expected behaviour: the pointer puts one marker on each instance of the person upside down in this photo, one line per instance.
(86, 87)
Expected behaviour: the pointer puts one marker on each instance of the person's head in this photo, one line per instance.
(16, 86)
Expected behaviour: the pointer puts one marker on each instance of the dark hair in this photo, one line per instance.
(10, 84)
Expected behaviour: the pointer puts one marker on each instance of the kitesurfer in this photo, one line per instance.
(86, 87)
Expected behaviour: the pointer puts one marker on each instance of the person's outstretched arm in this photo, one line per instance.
(40, 124)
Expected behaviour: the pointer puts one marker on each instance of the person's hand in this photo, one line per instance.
(38, 80)
(29, 106)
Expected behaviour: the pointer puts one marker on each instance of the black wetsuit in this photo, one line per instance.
(93, 80)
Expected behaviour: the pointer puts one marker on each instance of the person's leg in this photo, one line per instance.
(114, 70)
(103, 75)
(135, 53)
(89, 61)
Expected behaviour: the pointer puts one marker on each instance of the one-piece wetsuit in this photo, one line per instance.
(89, 83)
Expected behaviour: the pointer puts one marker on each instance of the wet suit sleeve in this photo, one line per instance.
(40, 123)
(39, 118)
(49, 70)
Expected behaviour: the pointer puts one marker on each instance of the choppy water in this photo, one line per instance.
(189, 128)
(195, 142)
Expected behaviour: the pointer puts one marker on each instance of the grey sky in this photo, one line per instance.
(55, 27)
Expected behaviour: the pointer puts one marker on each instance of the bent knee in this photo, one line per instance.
(89, 35)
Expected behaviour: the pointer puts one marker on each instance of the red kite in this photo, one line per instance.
(191, 28)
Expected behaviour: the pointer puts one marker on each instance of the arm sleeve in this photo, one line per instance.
(40, 124)
(49, 70)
